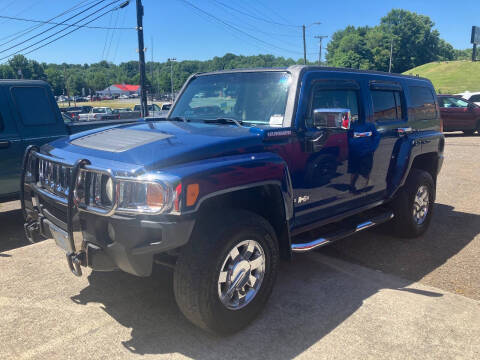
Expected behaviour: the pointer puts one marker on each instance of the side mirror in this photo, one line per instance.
(332, 118)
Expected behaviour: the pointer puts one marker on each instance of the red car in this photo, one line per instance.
(459, 114)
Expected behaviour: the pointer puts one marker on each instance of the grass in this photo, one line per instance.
(450, 77)
(114, 104)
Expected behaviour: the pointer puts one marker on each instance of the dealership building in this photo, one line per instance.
(120, 89)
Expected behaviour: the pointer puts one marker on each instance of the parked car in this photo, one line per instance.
(471, 96)
(224, 188)
(154, 110)
(99, 113)
(29, 115)
(459, 114)
(126, 113)
(123, 96)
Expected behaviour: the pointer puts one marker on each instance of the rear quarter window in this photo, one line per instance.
(423, 106)
(475, 98)
(34, 106)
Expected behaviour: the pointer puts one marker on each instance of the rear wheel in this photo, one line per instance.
(225, 275)
(413, 205)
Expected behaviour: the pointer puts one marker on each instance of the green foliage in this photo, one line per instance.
(451, 77)
(415, 42)
(98, 76)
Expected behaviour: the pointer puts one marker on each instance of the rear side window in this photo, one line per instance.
(2, 126)
(423, 103)
(475, 98)
(387, 105)
(33, 105)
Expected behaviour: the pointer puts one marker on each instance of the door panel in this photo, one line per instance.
(322, 180)
(389, 115)
(11, 151)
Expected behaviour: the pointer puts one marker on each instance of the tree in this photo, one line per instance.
(414, 41)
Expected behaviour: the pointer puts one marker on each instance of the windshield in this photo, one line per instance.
(252, 97)
(99, 111)
(454, 103)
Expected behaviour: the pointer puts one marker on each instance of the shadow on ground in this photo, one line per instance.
(11, 233)
(311, 298)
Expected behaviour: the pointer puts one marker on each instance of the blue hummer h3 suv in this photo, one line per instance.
(249, 167)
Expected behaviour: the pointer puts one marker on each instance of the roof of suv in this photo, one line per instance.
(301, 68)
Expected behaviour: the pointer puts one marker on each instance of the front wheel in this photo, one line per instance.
(225, 275)
(413, 205)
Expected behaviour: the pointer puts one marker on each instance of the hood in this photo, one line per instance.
(160, 144)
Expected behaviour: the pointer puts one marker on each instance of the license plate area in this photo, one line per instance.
(61, 237)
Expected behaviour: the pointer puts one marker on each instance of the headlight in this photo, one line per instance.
(144, 197)
(99, 192)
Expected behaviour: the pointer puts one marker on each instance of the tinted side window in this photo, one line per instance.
(33, 105)
(333, 99)
(475, 98)
(1, 123)
(387, 105)
(423, 103)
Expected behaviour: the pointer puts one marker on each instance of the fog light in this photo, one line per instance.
(109, 190)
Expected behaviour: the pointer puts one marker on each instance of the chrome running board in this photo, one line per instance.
(337, 235)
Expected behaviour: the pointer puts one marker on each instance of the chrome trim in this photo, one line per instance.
(364, 225)
(362, 134)
(51, 171)
(310, 245)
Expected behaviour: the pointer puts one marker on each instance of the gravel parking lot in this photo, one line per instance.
(369, 296)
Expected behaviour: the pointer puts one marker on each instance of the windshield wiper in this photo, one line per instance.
(177, 118)
(224, 120)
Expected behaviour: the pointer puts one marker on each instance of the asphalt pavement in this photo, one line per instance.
(369, 296)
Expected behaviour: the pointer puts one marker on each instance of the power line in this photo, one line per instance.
(54, 26)
(235, 27)
(62, 36)
(66, 24)
(30, 29)
(119, 37)
(107, 36)
(254, 16)
(113, 34)
(24, 9)
(48, 37)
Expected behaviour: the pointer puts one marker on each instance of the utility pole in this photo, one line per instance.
(304, 46)
(141, 58)
(391, 56)
(151, 65)
(171, 60)
(320, 38)
(304, 27)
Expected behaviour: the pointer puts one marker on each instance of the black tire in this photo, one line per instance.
(404, 224)
(199, 265)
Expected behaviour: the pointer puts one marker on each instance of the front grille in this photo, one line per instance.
(54, 178)
(90, 187)
(57, 211)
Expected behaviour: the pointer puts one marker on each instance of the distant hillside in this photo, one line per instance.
(451, 77)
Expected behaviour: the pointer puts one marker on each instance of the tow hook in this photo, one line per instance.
(32, 231)
(74, 263)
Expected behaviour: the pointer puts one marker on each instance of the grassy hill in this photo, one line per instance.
(451, 77)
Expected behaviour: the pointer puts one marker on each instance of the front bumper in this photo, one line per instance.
(104, 243)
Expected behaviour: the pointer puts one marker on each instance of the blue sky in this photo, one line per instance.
(178, 30)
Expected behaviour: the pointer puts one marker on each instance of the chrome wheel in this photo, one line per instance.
(241, 274)
(421, 205)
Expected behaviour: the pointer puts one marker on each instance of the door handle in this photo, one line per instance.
(4, 144)
(404, 131)
(362, 134)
